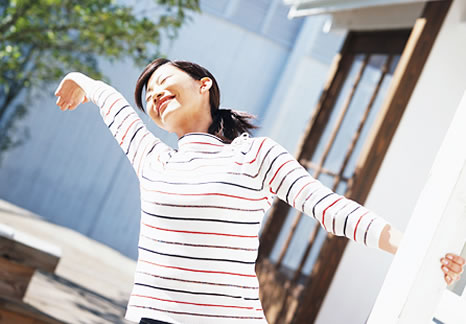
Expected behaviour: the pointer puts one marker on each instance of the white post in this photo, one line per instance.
(414, 284)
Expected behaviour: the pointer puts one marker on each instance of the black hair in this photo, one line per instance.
(227, 124)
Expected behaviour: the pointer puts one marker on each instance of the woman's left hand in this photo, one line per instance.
(452, 267)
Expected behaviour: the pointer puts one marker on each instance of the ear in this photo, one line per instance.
(206, 84)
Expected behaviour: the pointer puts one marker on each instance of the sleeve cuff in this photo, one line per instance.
(86, 83)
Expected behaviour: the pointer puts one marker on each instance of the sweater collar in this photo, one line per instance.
(200, 142)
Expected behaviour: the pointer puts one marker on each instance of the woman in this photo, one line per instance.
(202, 204)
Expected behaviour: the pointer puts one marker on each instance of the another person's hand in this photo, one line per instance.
(452, 267)
(69, 94)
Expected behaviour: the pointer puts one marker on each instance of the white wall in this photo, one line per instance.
(404, 170)
(73, 173)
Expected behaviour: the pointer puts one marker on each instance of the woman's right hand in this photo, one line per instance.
(69, 94)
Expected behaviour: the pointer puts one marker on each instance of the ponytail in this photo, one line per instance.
(229, 124)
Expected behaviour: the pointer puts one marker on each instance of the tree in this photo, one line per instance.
(41, 40)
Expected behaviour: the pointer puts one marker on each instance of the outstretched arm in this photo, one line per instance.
(124, 123)
(286, 178)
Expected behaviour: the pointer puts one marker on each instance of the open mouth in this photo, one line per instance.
(163, 104)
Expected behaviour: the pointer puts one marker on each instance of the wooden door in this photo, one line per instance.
(368, 88)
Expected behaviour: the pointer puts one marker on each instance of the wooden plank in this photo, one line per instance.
(28, 254)
(362, 122)
(14, 279)
(341, 116)
(379, 42)
(12, 311)
(404, 80)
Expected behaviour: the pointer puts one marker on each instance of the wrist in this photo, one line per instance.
(390, 239)
(86, 83)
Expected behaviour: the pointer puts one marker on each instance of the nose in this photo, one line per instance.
(158, 95)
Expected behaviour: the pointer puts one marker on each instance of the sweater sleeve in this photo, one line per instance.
(136, 141)
(286, 178)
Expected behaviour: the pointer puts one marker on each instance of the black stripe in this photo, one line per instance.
(203, 183)
(131, 140)
(309, 196)
(346, 220)
(283, 179)
(137, 149)
(200, 245)
(196, 258)
(154, 147)
(250, 148)
(204, 206)
(291, 186)
(201, 219)
(198, 282)
(114, 117)
(367, 230)
(196, 314)
(270, 165)
(314, 208)
(194, 292)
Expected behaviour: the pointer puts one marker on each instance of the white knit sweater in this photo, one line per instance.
(201, 210)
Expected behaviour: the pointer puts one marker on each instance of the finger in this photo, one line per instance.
(448, 280)
(64, 105)
(86, 99)
(456, 258)
(73, 105)
(59, 88)
(453, 275)
(60, 102)
(452, 265)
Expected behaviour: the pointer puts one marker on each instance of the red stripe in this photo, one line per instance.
(278, 170)
(206, 233)
(204, 143)
(323, 214)
(206, 194)
(294, 200)
(195, 270)
(112, 106)
(357, 224)
(197, 304)
(257, 154)
(127, 131)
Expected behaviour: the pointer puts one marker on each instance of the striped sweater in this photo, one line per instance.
(201, 210)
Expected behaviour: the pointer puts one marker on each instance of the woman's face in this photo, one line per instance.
(178, 103)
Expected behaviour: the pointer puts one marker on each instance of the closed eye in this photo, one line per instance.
(150, 97)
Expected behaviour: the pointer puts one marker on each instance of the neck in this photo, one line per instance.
(199, 126)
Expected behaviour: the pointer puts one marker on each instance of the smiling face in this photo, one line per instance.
(178, 103)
